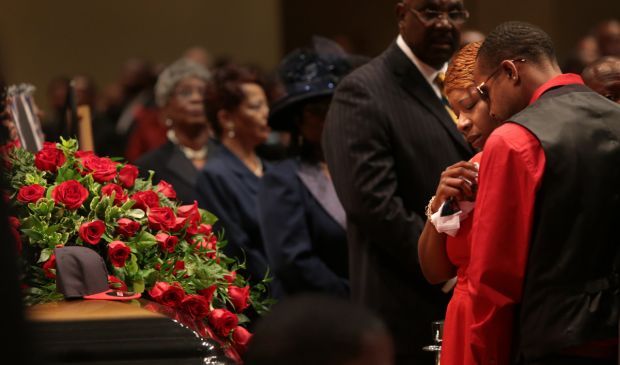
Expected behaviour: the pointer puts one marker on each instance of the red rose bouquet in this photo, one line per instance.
(151, 243)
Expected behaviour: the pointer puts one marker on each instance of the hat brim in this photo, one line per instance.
(113, 295)
(281, 113)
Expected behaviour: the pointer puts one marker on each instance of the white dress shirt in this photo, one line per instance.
(429, 72)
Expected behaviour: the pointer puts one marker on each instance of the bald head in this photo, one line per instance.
(608, 37)
(603, 76)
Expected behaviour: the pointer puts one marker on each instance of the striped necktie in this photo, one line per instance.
(439, 82)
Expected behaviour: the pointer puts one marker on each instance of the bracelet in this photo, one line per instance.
(428, 211)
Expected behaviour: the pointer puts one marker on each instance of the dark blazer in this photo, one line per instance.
(303, 227)
(387, 139)
(227, 188)
(171, 165)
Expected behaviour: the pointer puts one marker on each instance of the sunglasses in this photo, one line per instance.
(482, 88)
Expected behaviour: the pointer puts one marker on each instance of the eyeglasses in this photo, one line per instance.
(482, 87)
(428, 17)
(187, 93)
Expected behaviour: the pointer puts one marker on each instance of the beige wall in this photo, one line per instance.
(371, 25)
(96, 36)
(43, 39)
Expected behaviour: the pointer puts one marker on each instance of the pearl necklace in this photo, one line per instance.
(190, 153)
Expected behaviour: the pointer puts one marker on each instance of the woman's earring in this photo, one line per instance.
(168, 122)
(231, 130)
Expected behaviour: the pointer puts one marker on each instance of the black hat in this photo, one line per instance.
(81, 273)
(307, 74)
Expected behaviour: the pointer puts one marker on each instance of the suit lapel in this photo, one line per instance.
(240, 170)
(323, 191)
(180, 166)
(414, 83)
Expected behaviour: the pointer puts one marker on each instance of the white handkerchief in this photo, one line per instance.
(450, 224)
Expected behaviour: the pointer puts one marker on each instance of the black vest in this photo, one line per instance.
(571, 294)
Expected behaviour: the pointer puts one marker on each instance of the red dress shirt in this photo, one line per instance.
(511, 172)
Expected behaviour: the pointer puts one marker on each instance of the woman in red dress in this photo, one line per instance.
(443, 249)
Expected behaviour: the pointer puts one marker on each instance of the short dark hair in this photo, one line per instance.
(312, 329)
(225, 92)
(513, 40)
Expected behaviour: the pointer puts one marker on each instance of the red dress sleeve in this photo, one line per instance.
(510, 173)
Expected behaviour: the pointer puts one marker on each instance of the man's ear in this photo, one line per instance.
(510, 69)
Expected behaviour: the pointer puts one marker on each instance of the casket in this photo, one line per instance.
(105, 332)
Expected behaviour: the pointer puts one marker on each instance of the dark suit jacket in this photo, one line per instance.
(170, 164)
(387, 139)
(303, 227)
(227, 188)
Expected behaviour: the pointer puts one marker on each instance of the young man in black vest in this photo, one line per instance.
(544, 268)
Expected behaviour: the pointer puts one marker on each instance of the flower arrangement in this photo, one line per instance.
(152, 244)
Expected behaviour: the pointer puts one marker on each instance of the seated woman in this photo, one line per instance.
(302, 221)
(443, 255)
(180, 92)
(227, 186)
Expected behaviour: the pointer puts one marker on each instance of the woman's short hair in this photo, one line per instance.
(173, 74)
(225, 92)
(460, 74)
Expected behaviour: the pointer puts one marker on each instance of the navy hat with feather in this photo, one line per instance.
(307, 74)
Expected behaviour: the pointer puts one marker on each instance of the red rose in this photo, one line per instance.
(102, 168)
(118, 252)
(127, 176)
(14, 228)
(179, 224)
(239, 297)
(70, 193)
(49, 158)
(82, 154)
(231, 353)
(166, 189)
(116, 283)
(91, 232)
(14, 222)
(127, 227)
(31, 193)
(178, 266)
(145, 199)
(119, 194)
(195, 305)
(191, 211)
(205, 229)
(166, 242)
(222, 321)
(230, 277)
(166, 294)
(161, 218)
(208, 292)
(241, 338)
(49, 267)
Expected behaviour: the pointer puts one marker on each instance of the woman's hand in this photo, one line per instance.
(457, 181)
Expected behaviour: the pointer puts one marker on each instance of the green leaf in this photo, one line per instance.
(207, 217)
(138, 286)
(94, 202)
(33, 234)
(135, 213)
(46, 253)
(131, 265)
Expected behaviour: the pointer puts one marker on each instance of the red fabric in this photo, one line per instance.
(455, 343)
(563, 79)
(148, 133)
(510, 175)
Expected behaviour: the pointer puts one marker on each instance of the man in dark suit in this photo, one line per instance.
(387, 139)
